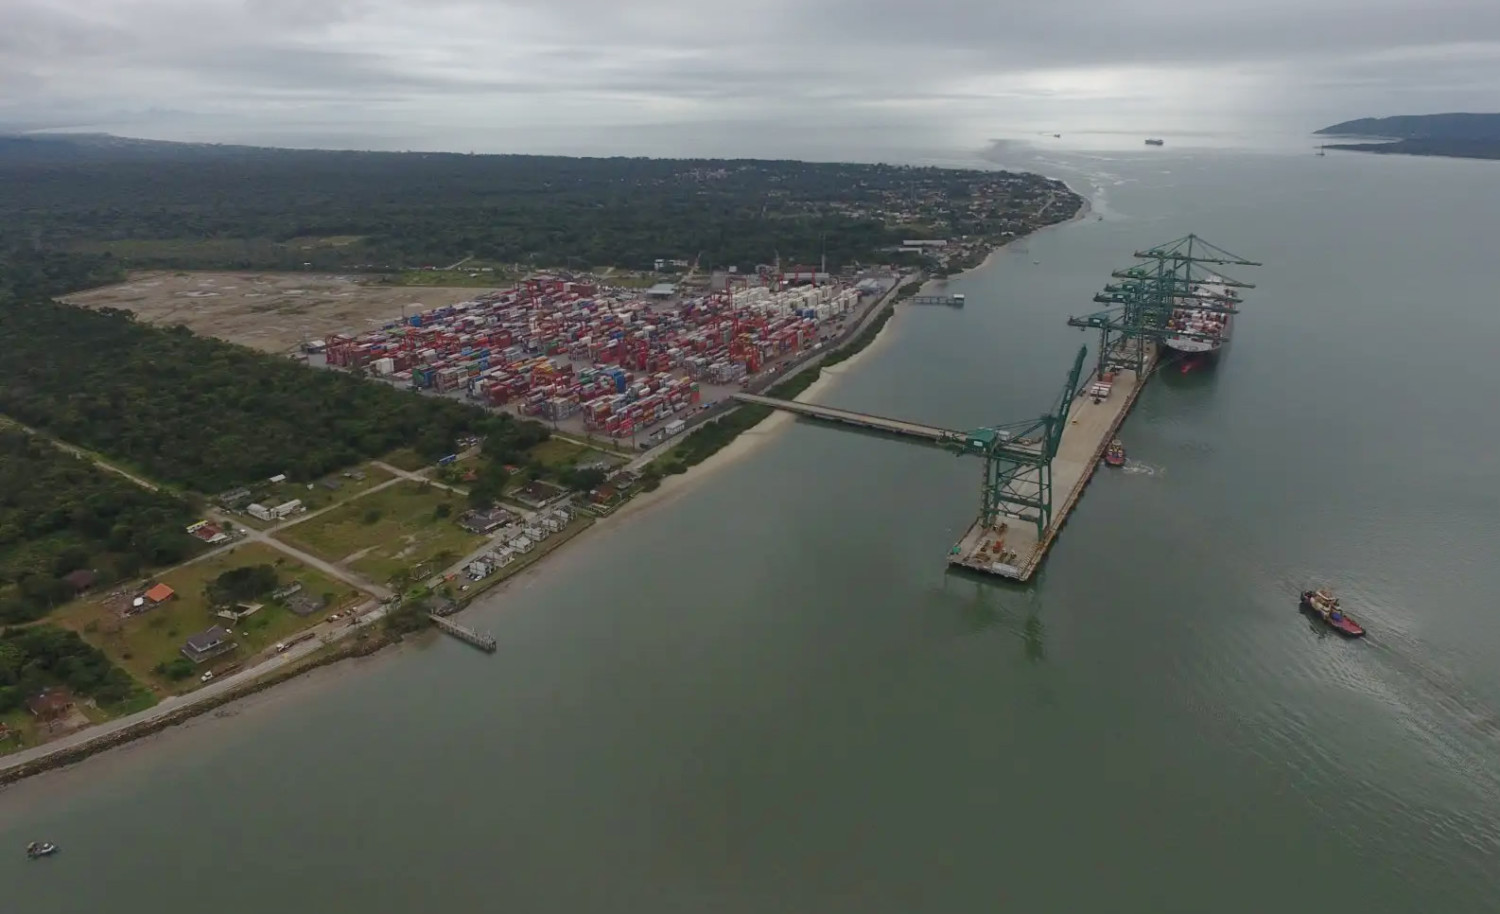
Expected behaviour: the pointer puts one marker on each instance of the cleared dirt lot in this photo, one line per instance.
(270, 311)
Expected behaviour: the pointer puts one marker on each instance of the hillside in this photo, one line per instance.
(1467, 136)
(1421, 127)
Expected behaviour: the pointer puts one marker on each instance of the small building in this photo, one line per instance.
(158, 594)
(80, 580)
(477, 570)
(234, 498)
(522, 544)
(279, 477)
(208, 532)
(281, 593)
(259, 512)
(537, 534)
(287, 509)
(484, 523)
(209, 644)
(50, 704)
(504, 557)
(239, 611)
(661, 290)
(551, 524)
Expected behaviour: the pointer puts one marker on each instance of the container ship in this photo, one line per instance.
(1202, 320)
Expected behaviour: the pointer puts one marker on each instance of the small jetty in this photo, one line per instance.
(955, 300)
(463, 633)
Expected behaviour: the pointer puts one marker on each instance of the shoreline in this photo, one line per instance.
(371, 647)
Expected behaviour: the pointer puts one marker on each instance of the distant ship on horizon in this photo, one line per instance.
(1153, 141)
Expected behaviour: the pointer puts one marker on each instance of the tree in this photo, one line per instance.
(240, 584)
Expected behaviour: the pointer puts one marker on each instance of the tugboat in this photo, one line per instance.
(38, 849)
(1114, 455)
(1326, 607)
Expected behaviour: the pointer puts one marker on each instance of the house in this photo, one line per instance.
(159, 593)
(208, 532)
(259, 512)
(287, 509)
(478, 570)
(536, 534)
(504, 557)
(234, 498)
(551, 524)
(209, 644)
(522, 545)
(279, 477)
(50, 704)
(484, 523)
(80, 580)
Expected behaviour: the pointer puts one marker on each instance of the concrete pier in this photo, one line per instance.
(858, 420)
(1015, 551)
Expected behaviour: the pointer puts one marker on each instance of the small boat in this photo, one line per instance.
(1154, 142)
(1114, 455)
(40, 849)
(1326, 607)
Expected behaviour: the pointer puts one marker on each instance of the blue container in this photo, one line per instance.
(416, 320)
(620, 383)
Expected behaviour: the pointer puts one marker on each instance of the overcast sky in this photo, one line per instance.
(712, 77)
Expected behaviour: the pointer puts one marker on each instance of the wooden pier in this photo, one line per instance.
(467, 635)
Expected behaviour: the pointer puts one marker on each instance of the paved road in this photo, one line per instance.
(343, 574)
(419, 476)
(325, 633)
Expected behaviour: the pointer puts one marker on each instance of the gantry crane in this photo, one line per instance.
(1170, 276)
(1018, 460)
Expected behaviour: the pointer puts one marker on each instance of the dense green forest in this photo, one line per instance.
(60, 514)
(38, 656)
(245, 207)
(207, 414)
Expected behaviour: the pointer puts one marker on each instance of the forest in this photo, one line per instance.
(393, 210)
(60, 514)
(38, 656)
(210, 415)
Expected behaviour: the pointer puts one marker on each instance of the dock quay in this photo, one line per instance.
(468, 635)
(901, 427)
(1014, 550)
(953, 301)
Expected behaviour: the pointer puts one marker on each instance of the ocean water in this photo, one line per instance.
(768, 693)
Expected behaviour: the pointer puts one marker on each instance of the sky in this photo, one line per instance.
(808, 78)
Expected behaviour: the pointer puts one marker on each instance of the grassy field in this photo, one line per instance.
(406, 459)
(394, 530)
(141, 642)
(555, 453)
(316, 498)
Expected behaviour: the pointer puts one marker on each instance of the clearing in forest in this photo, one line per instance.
(274, 312)
(408, 528)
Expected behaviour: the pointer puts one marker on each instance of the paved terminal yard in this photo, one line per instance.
(1015, 551)
(273, 312)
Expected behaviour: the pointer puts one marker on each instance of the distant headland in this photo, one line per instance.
(1469, 136)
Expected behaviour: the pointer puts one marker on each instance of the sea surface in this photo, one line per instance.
(768, 693)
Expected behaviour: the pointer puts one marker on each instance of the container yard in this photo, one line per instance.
(603, 362)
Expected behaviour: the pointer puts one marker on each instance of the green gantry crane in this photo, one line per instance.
(1018, 460)
(1169, 276)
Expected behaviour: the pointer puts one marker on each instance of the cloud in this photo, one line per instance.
(529, 74)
